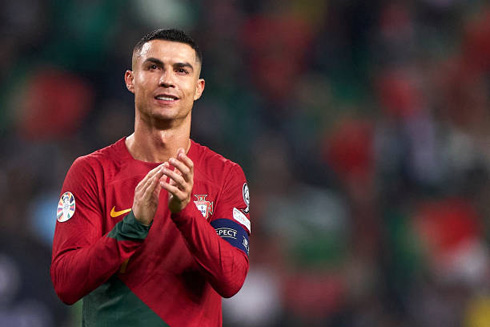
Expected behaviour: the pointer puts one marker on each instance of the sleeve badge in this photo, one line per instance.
(246, 197)
(66, 207)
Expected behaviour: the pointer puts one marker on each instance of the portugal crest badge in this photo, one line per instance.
(203, 205)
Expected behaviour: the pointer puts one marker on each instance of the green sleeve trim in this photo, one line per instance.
(129, 229)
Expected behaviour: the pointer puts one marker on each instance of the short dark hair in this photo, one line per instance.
(174, 35)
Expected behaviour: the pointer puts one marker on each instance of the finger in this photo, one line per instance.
(184, 167)
(179, 165)
(185, 159)
(166, 165)
(149, 186)
(173, 190)
(155, 173)
(175, 176)
(148, 176)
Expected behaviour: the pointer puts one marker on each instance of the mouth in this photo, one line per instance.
(166, 97)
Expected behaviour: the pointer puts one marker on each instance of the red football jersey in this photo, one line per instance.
(174, 272)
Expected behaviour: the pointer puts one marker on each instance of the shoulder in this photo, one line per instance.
(101, 158)
(207, 160)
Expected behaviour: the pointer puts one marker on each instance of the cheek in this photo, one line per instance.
(143, 80)
(141, 88)
(140, 95)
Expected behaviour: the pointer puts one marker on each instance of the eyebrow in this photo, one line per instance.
(184, 64)
(154, 60)
(178, 64)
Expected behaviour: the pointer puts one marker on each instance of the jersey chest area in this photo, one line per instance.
(119, 190)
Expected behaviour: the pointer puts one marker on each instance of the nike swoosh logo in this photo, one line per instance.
(115, 213)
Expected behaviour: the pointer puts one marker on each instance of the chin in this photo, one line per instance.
(163, 118)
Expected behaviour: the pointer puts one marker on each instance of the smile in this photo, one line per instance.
(165, 98)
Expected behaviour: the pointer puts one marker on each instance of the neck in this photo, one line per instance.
(157, 145)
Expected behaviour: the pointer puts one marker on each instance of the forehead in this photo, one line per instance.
(166, 51)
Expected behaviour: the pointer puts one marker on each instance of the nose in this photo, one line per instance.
(166, 79)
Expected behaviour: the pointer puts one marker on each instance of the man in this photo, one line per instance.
(153, 230)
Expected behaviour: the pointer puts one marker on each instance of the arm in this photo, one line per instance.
(224, 260)
(225, 265)
(83, 258)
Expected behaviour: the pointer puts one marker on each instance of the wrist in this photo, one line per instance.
(175, 208)
(138, 218)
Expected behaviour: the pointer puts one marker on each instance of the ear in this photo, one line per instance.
(199, 88)
(129, 79)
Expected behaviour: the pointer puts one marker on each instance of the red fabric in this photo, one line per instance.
(226, 270)
(180, 273)
(82, 258)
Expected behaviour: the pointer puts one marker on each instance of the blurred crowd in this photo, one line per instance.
(363, 128)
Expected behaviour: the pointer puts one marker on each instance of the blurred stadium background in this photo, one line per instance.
(363, 128)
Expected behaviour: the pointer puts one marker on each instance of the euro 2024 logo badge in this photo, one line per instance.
(66, 207)
(206, 207)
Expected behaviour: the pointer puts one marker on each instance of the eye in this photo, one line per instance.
(151, 66)
(182, 70)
